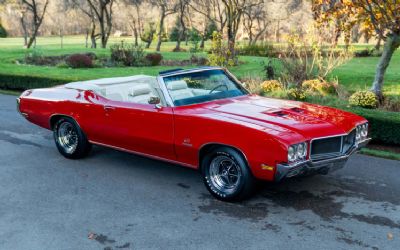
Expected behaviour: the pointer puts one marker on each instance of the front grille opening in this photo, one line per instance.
(325, 146)
(331, 147)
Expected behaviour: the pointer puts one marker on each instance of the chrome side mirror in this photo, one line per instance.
(156, 101)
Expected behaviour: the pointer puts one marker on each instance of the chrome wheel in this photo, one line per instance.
(67, 137)
(225, 174)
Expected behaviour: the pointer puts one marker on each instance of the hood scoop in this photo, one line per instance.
(297, 110)
(279, 113)
(286, 113)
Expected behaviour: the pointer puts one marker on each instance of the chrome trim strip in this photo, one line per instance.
(186, 71)
(25, 115)
(236, 80)
(144, 154)
(163, 88)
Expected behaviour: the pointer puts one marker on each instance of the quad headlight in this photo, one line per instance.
(297, 152)
(361, 132)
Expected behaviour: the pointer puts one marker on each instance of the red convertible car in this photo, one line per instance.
(202, 118)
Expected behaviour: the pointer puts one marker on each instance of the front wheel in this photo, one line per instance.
(226, 175)
(70, 140)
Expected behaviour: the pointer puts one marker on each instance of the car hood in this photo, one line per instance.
(308, 120)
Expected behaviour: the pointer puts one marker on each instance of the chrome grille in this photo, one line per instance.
(331, 147)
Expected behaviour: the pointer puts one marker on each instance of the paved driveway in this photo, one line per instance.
(114, 200)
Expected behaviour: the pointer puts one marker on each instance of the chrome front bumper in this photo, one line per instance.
(322, 167)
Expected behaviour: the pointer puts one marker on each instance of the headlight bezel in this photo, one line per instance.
(297, 152)
(362, 132)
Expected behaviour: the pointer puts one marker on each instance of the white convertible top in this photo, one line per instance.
(104, 82)
(137, 88)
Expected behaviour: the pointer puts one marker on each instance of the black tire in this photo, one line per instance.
(220, 179)
(74, 144)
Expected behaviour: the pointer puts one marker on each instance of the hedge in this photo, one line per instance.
(384, 126)
(23, 82)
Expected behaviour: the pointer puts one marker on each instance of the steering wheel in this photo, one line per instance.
(217, 87)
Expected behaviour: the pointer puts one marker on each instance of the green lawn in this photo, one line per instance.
(355, 75)
(359, 74)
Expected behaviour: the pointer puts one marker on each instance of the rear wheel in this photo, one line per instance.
(70, 140)
(226, 175)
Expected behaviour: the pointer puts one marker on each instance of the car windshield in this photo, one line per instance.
(203, 86)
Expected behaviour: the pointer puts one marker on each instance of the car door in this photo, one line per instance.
(142, 128)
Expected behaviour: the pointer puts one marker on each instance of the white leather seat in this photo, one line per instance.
(179, 90)
(140, 94)
(115, 97)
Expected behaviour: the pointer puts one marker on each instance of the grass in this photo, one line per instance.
(359, 73)
(381, 154)
(10, 92)
(11, 50)
(355, 75)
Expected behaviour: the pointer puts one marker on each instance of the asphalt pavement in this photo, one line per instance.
(116, 200)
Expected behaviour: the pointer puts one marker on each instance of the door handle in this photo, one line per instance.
(108, 108)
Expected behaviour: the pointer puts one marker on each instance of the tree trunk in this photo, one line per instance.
(23, 25)
(93, 35)
(178, 45)
(391, 44)
(30, 41)
(61, 39)
(93, 40)
(161, 27)
(86, 38)
(378, 44)
(103, 40)
(182, 31)
(32, 38)
(135, 33)
(148, 44)
(231, 40)
(250, 41)
(355, 34)
(202, 42)
(203, 36)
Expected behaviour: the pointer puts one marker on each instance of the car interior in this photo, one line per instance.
(137, 89)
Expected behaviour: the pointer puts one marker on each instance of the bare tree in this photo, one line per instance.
(166, 8)
(100, 12)
(92, 30)
(212, 10)
(234, 10)
(135, 16)
(35, 11)
(103, 11)
(182, 7)
(255, 23)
